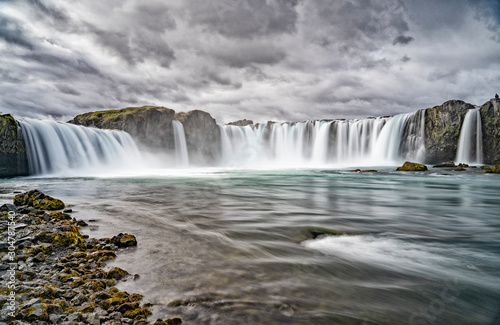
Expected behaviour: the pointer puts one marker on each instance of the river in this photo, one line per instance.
(240, 246)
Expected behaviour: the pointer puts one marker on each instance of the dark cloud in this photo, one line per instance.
(257, 59)
(136, 46)
(433, 15)
(352, 26)
(154, 17)
(45, 11)
(247, 54)
(67, 90)
(245, 18)
(61, 66)
(403, 40)
(10, 77)
(488, 11)
(12, 33)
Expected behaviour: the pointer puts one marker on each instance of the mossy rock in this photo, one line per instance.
(58, 216)
(171, 321)
(102, 255)
(138, 313)
(124, 240)
(48, 292)
(38, 200)
(449, 164)
(37, 312)
(492, 170)
(460, 169)
(70, 235)
(94, 285)
(116, 273)
(411, 166)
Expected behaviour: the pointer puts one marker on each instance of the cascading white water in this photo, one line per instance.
(181, 151)
(373, 141)
(470, 143)
(62, 148)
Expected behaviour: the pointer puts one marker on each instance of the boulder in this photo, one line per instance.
(38, 200)
(442, 130)
(13, 158)
(445, 164)
(492, 169)
(124, 240)
(411, 166)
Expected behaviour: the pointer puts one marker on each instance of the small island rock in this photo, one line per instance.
(411, 166)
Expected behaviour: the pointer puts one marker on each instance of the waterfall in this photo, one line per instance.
(372, 141)
(470, 143)
(61, 148)
(181, 152)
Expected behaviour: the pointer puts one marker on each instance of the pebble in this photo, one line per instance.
(60, 272)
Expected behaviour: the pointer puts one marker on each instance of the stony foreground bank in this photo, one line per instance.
(52, 274)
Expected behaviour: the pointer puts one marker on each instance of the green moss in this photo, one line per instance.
(70, 236)
(9, 135)
(493, 169)
(87, 308)
(127, 237)
(138, 313)
(47, 292)
(116, 273)
(38, 200)
(35, 314)
(102, 255)
(95, 285)
(115, 115)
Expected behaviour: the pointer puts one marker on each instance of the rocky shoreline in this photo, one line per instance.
(55, 275)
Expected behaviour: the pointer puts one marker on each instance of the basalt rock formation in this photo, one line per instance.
(150, 126)
(13, 161)
(202, 136)
(490, 119)
(442, 130)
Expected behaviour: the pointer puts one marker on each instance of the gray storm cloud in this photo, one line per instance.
(258, 59)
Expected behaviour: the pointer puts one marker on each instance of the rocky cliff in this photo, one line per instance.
(442, 130)
(150, 126)
(13, 161)
(202, 137)
(490, 119)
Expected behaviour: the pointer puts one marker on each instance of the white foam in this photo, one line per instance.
(390, 253)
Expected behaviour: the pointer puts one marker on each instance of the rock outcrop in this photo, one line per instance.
(202, 137)
(490, 119)
(150, 126)
(442, 130)
(243, 122)
(13, 160)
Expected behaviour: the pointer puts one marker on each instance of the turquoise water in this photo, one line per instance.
(420, 248)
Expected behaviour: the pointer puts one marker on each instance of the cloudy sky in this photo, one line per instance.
(283, 60)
